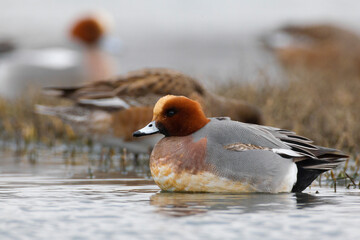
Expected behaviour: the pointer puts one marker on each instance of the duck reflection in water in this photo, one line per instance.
(187, 204)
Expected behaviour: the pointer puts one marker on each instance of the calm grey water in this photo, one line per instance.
(48, 203)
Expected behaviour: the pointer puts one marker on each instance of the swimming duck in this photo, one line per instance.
(200, 154)
(114, 109)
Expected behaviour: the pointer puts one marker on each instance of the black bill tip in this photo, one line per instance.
(138, 134)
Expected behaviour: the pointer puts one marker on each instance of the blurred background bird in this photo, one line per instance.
(110, 111)
(319, 47)
(86, 58)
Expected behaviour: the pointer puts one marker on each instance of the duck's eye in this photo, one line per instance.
(171, 112)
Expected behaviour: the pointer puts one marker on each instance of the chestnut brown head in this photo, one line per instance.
(175, 116)
(89, 30)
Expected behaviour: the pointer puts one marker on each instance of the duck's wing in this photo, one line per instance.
(146, 86)
(139, 88)
(92, 90)
(239, 150)
(238, 136)
(302, 146)
(311, 160)
(244, 137)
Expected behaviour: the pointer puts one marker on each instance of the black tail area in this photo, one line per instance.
(310, 168)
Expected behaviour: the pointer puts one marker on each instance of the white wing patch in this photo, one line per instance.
(114, 102)
(286, 152)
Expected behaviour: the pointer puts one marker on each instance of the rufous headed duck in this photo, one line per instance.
(200, 154)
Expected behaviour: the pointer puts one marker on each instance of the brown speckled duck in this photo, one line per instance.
(114, 109)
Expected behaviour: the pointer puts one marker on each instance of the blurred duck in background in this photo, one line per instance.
(110, 111)
(23, 68)
(316, 47)
(91, 33)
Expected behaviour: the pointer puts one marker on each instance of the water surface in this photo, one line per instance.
(40, 206)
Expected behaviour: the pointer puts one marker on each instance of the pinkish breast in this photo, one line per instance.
(180, 154)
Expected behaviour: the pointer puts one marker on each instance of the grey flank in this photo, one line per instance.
(264, 169)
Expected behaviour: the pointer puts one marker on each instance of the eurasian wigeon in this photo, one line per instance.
(114, 109)
(22, 68)
(320, 46)
(92, 32)
(200, 154)
(89, 29)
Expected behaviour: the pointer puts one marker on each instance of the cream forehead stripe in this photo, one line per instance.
(160, 104)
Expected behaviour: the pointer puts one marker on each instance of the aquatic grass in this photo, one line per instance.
(20, 123)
